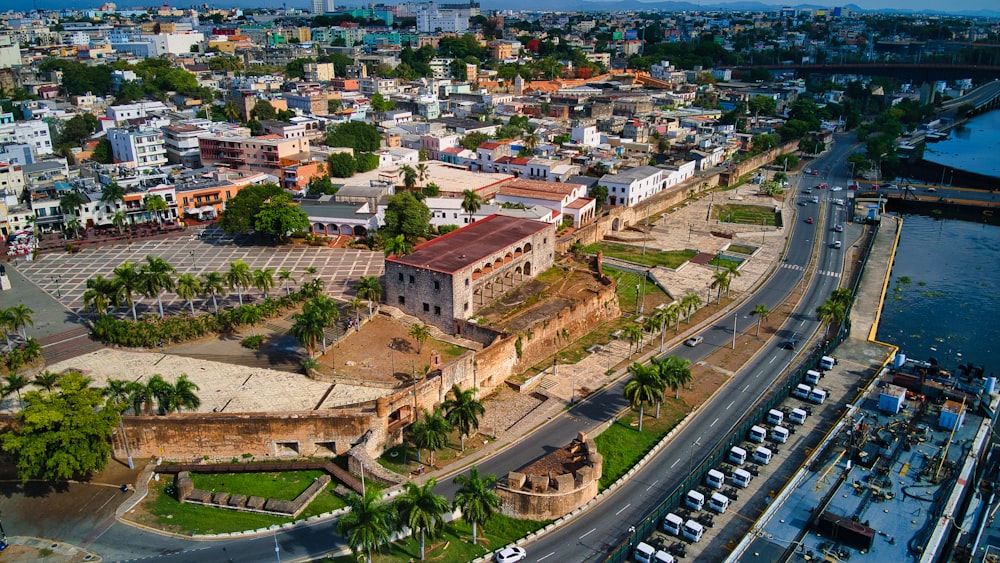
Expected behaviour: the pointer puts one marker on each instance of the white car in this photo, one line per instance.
(510, 555)
(836, 189)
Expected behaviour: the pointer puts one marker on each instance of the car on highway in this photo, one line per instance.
(804, 202)
(931, 190)
(838, 228)
(694, 341)
(807, 191)
(836, 244)
(809, 171)
(790, 344)
(822, 186)
(852, 187)
(815, 172)
(836, 189)
(810, 220)
(510, 555)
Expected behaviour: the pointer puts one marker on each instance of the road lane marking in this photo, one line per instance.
(549, 555)
(731, 403)
(772, 359)
(713, 422)
(588, 533)
(747, 387)
(624, 507)
(674, 463)
(652, 484)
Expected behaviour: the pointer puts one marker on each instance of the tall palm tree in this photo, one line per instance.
(325, 310)
(431, 433)
(100, 294)
(720, 281)
(369, 523)
(251, 315)
(73, 226)
(409, 176)
(231, 112)
(311, 270)
(645, 386)
(397, 246)
(155, 278)
(239, 277)
(286, 277)
(47, 380)
(71, 202)
(421, 510)
(675, 372)
(20, 317)
(184, 392)
(476, 499)
(128, 282)
(188, 287)
(832, 313)
(369, 288)
(471, 202)
(163, 391)
(661, 318)
(422, 172)
(263, 280)
(155, 204)
(761, 312)
(213, 283)
(14, 383)
(140, 398)
(649, 326)
(6, 320)
(112, 193)
(463, 411)
(119, 220)
(307, 328)
(843, 296)
(689, 303)
(733, 274)
(633, 333)
(357, 304)
(420, 332)
(117, 392)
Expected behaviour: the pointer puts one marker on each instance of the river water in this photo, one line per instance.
(972, 147)
(943, 299)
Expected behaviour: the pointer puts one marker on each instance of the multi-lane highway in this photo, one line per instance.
(590, 536)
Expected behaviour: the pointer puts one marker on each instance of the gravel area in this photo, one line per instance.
(504, 409)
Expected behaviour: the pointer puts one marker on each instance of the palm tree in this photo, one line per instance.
(155, 278)
(20, 317)
(117, 392)
(633, 333)
(370, 289)
(47, 380)
(73, 226)
(674, 316)
(397, 246)
(307, 329)
(154, 203)
(231, 112)
(476, 499)
(71, 202)
(251, 315)
(689, 303)
(239, 277)
(649, 325)
(6, 319)
(471, 202)
(368, 525)
(15, 382)
(112, 193)
(733, 274)
(127, 282)
(357, 304)
(409, 176)
(761, 312)
(119, 220)
(645, 386)
(432, 433)
(421, 510)
(831, 312)
(661, 318)
(213, 283)
(184, 392)
(311, 270)
(263, 280)
(285, 276)
(720, 281)
(188, 287)
(463, 411)
(675, 372)
(32, 350)
(163, 391)
(99, 294)
(531, 141)
(842, 296)
(140, 398)
(420, 332)
(325, 312)
(422, 172)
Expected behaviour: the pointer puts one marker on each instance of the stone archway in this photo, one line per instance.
(527, 269)
(360, 231)
(616, 224)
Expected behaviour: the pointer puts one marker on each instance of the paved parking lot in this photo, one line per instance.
(64, 276)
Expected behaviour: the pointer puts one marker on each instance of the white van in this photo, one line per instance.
(774, 416)
(694, 500)
(663, 557)
(758, 434)
(693, 531)
(802, 391)
(718, 502)
(827, 362)
(742, 478)
(644, 553)
(797, 416)
(737, 455)
(812, 377)
(762, 455)
(779, 434)
(715, 479)
(817, 396)
(672, 524)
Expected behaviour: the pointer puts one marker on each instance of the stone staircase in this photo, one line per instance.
(69, 344)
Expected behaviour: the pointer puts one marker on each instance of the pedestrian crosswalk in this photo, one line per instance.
(820, 272)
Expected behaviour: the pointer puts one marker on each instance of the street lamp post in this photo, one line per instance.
(694, 444)
(735, 316)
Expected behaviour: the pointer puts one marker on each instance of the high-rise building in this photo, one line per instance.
(323, 6)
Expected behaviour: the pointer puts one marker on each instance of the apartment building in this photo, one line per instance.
(145, 147)
(266, 153)
(32, 133)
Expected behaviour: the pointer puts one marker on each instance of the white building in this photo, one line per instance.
(144, 147)
(10, 52)
(448, 211)
(446, 18)
(323, 6)
(11, 179)
(32, 133)
(124, 112)
(634, 185)
(174, 43)
(587, 136)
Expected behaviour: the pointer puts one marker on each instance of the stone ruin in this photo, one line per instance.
(291, 508)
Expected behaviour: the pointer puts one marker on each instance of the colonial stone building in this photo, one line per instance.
(453, 276)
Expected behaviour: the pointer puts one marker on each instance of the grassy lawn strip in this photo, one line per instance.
(744, 214)
(666, 258)
(741, 249)
(284, 486)
(454, 544)
(622, 445)
(724, 262)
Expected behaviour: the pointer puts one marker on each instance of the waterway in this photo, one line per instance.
(943, 298)
(972, 146)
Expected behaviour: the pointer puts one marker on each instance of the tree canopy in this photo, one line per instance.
(355, 134)
(280, 216)
(241, 210)
(407, 216)
(64, 434)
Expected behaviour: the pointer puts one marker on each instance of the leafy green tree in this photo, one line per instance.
(476, 499)
(422, 510)
(463, 410)
(242, 209)
(762, 105)
(357, 135)
(264, 111)
(645, 386)
(365, 161)
(599, 193)
(280, 216)
(405, 215)
(368, 525)
(341, 165)
(322, 185)
(63, 435)
(472, 140)
(102, 152)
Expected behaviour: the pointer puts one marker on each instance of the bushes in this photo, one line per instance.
(252, 342)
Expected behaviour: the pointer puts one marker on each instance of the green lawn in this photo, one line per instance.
(723, 262)
(666, 258)
(741, 249)
(622, 445)
(454, 544)
(281, 485)
(744, 214)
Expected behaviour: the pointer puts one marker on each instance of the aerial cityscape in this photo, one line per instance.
(454, 282)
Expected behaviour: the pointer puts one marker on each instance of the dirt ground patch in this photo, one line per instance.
(384, 351)
(539, 300)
